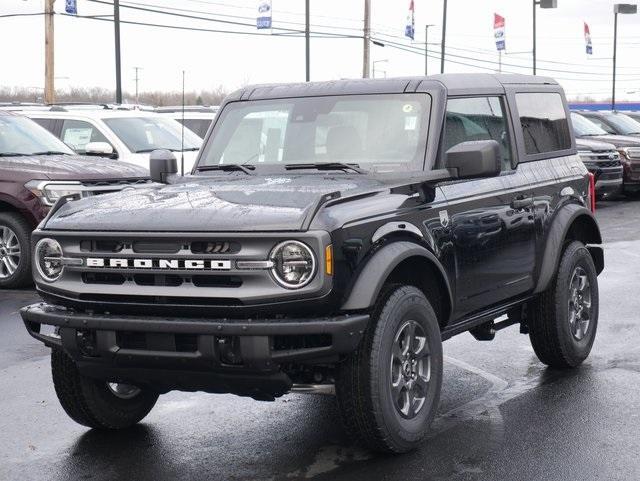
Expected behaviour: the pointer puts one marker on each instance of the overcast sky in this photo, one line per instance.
(85, 54)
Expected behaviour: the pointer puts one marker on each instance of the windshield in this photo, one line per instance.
(377, 132)
(22, 136)
(584, 127)
(144, 134)
(623, 124)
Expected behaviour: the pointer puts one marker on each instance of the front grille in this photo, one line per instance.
(98, 187)
(163, 300)
(160, 247)
(633, 153)
(601, 159)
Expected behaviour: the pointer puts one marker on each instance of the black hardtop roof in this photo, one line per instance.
(455, 83)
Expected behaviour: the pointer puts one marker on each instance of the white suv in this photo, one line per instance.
(126, 135)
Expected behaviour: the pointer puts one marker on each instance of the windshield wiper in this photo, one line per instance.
(50, 152)
(246, 168)
(12, 154)
(327, 166)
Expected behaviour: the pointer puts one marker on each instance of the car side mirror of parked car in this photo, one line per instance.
(102, 149)
(162, 163)
(473, 159)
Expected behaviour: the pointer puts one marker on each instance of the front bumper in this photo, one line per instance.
(214, 355)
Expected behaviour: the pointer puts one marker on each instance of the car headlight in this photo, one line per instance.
(48, 259)
(294, 264)
(49, 192)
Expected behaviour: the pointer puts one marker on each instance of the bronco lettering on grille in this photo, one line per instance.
(168, 264)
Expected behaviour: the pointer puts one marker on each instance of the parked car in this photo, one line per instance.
(603, 161)
(628, 147)
(126, 135)
(382, 217)
(196, 118)
(613, 122)
(36, 169)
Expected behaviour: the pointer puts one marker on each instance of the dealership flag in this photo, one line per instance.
(410, 28)
(587, 39)
(70, 7)
(498, 31)
(264, 14)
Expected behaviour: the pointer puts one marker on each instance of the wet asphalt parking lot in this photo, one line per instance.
(503, 415)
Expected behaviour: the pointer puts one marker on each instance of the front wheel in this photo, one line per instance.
(98, 404)
(563, 324)
(389, 389)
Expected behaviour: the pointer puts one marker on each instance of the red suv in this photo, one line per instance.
(36, 169)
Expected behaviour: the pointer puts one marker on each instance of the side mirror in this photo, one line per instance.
(476, 158)
(162, 163)
(103, 149)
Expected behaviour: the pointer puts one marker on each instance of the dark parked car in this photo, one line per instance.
(628, 147)
(615, 123)
(332, 232)
(36, 169)
(603, 161)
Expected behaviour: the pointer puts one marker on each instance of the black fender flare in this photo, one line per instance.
(562, 223)
(372, 277)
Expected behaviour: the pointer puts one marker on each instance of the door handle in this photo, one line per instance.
(521, 202)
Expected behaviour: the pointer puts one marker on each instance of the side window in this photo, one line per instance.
(78, 133)
(544, 122)
(48, 124)
(477, 118)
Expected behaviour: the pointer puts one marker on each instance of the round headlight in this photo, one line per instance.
(294, 264)
(48, 259)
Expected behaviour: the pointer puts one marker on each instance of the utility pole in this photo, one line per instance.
(444, 35)
(116, 24)
(534, 36)
(49, 85)
(366, 53)
(137, 79)
(307, 39)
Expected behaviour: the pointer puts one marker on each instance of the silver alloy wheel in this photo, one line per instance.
(579, 303)
(123, 391)
(9, 252)
(410, 369)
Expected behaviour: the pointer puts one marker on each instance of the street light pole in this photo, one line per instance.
(426, 49)
(543, 4)
(307, 37)
(444, 35)
(116, 31)
(623, 8)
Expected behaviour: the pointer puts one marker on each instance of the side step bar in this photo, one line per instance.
(483, 317)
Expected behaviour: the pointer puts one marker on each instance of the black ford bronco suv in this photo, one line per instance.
(330, 233)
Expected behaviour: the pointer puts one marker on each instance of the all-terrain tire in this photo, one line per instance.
(90, 402)
(550, 328)
(21, 277)
(364, 389)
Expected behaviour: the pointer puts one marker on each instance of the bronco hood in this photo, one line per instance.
(235, 202)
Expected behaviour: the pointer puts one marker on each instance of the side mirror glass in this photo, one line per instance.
(474, 159)
(99, 148)
(162, 164)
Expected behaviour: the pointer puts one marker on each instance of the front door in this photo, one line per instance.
(491, 220)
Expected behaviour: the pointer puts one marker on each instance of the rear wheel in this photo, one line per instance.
(15, 254)
(389, 389)
(94, 403)
(564, 320)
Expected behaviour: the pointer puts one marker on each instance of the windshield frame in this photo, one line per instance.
(190, 142)
(422, 149)
(39, 133)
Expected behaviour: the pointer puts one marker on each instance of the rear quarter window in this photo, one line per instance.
(544, 122)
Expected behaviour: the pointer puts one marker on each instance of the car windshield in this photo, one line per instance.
(584, 127)
(22, 136)
(624, 124)
(144, 134)
(377, 132)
